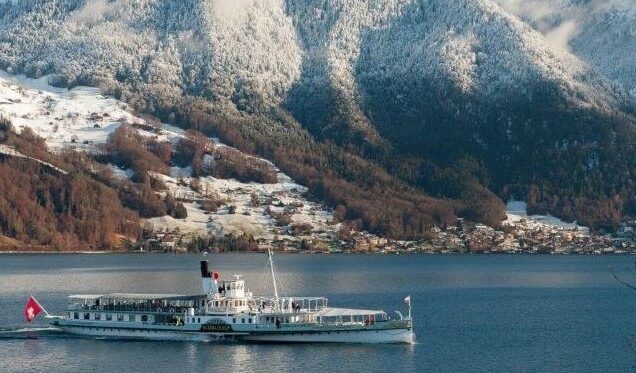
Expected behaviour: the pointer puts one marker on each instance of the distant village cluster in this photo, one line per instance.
(522, 236)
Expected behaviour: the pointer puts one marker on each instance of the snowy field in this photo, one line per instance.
(517, 210)
(77, 117)
(83, 118)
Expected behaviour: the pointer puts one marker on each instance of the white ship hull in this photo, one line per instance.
(342, 336)
(156, 335)
(360, 336)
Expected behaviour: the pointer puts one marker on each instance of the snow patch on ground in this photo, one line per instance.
(517, 211)
(283, 197)
(78, 117)
(121, 173)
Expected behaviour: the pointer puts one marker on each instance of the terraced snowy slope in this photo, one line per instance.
(82, 118)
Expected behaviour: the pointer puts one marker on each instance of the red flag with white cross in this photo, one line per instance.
(32, 309)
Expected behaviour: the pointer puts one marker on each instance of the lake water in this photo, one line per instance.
(472, 313)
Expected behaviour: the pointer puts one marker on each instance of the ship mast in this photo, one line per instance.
(271, 267)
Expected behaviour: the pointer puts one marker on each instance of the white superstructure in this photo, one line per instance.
(228, 310)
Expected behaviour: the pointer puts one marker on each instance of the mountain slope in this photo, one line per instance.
(374, 106)
(265, 203)
(602, 33)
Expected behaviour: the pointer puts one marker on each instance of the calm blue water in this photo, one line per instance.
(473, 313)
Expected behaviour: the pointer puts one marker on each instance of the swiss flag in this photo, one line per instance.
(32, 309)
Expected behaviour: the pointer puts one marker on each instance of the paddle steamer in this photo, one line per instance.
(227, 310)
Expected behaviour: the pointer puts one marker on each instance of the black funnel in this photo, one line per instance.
(205, 269)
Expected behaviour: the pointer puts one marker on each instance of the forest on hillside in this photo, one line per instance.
(41, 207)
(65, 199)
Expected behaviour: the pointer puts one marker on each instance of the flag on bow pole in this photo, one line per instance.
(407, 301)
(32, 309)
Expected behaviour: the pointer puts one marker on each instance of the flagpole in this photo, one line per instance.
(46, 313)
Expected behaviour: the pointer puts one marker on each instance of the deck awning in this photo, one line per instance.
(336, 312)
(133, 297)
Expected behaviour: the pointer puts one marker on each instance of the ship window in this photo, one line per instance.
(76, 315)
(87, 316)
(98, 316)
(199, 320)
(234, 321)
(144, 318)
(250, 320)
(109, 317)
(120, 317)
(243, 320)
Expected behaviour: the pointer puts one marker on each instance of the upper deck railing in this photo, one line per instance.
(289, 304)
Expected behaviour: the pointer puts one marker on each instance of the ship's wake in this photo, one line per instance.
(32, 333)
(50, 332)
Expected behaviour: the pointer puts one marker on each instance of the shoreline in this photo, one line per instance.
(12, 252)
(43, 252)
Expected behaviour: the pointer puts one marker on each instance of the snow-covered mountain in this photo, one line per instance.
(457, 99)
(601, 32)
(248, 51)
